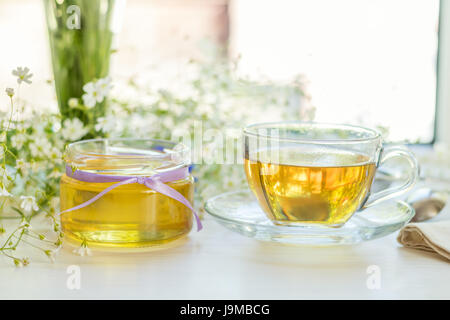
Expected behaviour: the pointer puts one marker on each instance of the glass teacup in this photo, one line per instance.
(314, 173)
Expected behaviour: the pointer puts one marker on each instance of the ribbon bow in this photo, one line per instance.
(155, 182)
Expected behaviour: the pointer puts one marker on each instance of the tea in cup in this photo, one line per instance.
(313, 173)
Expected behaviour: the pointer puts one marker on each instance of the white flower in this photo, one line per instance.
(28, 203)
(18, 140)
(40, 147)
(73, 129)
(139, 122)
(39, 128)
(18, 263)
(55, 174)
(22, 75)
(104, 86)
(106, 124)
(82, 251)
(210, 98)
(22, 165)
(73, 102)
(206, 110)
(55, 154)
(164, 106)
(168, 122)
(9, 92)
(51, 254)
(4, 192)
(54, 203)
(177, 110)
(88, 100)
(36, 166)
(92, 95)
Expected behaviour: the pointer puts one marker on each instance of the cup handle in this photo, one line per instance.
(389, 153)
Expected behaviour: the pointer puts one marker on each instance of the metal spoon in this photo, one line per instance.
(427, 202)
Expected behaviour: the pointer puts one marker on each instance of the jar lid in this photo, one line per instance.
(126, 156)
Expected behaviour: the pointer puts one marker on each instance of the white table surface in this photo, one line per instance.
(219, 264)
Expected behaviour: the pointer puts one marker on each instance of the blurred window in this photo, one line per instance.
(364, 61)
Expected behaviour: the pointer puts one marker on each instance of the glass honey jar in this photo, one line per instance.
(109, 196)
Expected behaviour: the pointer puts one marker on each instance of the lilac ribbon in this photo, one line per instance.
(155, 182)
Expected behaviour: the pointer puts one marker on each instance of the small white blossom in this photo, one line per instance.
(55, 153)
(18, 140)
(82, 251)
(9, 92)
(28, 203)
(54, 204)
(177, 110)
(206, 110)
(73, 102)
(164, 106)
(106, 124)
(18, 263)
(39, 128)
(88, 100)
(210, 98)
(168, 122)
(51, 254)
(22, 75)
(36, 166)
(22, 165)
(104, 86)
(92, 95)
(4, 192)
(73, 129)
(40, 147)
(55, 174)
(140, 123)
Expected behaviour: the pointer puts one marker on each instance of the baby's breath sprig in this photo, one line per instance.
(28, 156)
(83, 249)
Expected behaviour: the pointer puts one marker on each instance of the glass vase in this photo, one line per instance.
(81, 34)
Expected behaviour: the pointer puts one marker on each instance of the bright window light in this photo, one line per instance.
(366, 62)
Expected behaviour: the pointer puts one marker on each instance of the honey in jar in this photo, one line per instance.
(130, 215)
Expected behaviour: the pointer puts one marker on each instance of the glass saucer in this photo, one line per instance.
(239, 211)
